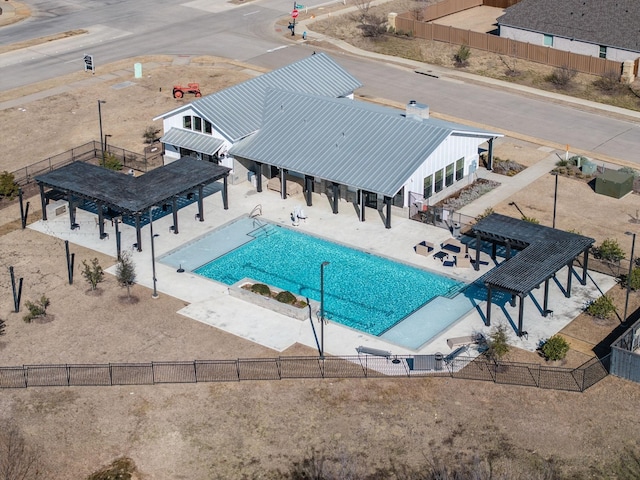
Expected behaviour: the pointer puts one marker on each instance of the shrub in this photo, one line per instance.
(150, 134)
(488, 211)
(602, 307)
(562, 163)
(286, 297)
(111, 162)
(462, 56)
(630, 170)
(497, 345)
(633, 282)
(2, 332)
(555, 348)
(609, 83)
(261, 289)
(8, 186)
(530, 219)
(38, 309)
(93, 273)
(609, 250)
(561, 77)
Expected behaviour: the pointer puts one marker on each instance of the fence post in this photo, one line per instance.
(153, 373)
(110, 375)
(26, 376)
(238, 368)
(68, 369)
(195, 371)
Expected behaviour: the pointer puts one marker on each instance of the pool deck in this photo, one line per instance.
(210, 303)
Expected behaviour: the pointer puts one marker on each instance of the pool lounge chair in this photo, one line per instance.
(455, 342)
(424, 248)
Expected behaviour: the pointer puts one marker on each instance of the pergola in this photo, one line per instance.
(542, 252)
(117, 194)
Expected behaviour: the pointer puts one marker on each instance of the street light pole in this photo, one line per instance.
(153, 254)
(100, 102)
(555, 198)
(626, 302)
(322, 265)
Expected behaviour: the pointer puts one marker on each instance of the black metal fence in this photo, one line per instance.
(361, 366)
(86, 153)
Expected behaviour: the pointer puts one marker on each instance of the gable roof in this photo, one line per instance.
(612, 23)
(198, 142)
(237, 111)
(341, 140)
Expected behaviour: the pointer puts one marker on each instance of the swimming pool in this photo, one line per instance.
(361, 290)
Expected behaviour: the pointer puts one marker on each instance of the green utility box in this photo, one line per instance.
(613, 183)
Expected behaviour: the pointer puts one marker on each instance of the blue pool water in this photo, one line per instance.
(361, 290)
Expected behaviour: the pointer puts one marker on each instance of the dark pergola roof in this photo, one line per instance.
(129, 194)
(545, 250)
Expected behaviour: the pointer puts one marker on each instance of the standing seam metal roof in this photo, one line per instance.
(341, 140)
(614, 23)
(545, 251)
(237, 111)
(198, 142)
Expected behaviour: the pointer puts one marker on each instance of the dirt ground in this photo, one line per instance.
(255, 429)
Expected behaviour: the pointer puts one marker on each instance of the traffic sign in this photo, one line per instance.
(294, 14)
(88, 62)
(299, 6)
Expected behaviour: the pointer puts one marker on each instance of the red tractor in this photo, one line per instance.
(179, 90)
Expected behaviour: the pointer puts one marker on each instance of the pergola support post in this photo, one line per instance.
(225, 192)
(138, 232)
(545, 301)
(569, 275)
(283, 183)
(43, 202)
(308, 189)
(72, 211)
(521, 315)
(494, 251)
(585, 264)
(174, 211)
(490, 155)
(258, 177)
(361, 205)
(387, 219)
(101, 220)
(476, 265)
(488, 321)
(200, 203)
(508, 250)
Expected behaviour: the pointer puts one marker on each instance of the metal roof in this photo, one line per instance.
(198, 142)
(237, 111)
(130, 194)
(353, 143)
(545, 250)
(613, 23)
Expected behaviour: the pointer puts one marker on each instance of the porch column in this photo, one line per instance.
(138, 233)
(488, 321)
(494, 252)
(361, 205)
(174, 211)
(259, 177)
(387, 220)
(512, 301)
(585, 264)
(118, 239)
(308, 189)
(476, 265)
(545, 301)
(200, 203)
(43, 201)
(521, 315)
(101, 220)
(283, 183)
(336, 194)
(225, 192)
(569, 275)
(72, 211)
(490, 155)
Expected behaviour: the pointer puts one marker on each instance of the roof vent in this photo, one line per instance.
(417, 111)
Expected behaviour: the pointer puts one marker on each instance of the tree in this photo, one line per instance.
(150, 135)
(462, 56)
(126, 272)
(8, 186)
(497, 345)
(93, 273)
(17, 460)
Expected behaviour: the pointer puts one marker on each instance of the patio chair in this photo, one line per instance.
(424, 248)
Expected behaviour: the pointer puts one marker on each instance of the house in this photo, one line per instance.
(360, 152)
(298, 129)
(207, 127)
(599, 28)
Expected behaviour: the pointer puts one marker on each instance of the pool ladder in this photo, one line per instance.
(256, 212)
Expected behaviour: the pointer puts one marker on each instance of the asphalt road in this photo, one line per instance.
(120, 29)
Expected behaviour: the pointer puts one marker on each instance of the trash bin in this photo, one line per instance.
(439, 361)
(456, 230)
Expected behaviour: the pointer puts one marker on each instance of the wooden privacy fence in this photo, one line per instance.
(361, 366)
(406, 22)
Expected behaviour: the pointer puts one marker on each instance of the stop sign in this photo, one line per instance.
(294, 14)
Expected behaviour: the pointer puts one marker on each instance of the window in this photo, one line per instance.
(438, 182)
(197, 124)
(603, 52)
(207, 127)
(449, 177)
(548, 41)
(459, 169)
(186, 121)
(428, 186)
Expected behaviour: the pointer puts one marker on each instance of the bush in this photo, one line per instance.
(150, 135)
(8, 186)
(555, 348)
(462, 56)
(602, 307)
(630, 170)
(93, 273)
(530, 219)
(609, 83)
(497, 345)
(633, 282)
(286, 297)
(609, 250)
(38, 309)
(261, 289)
(561, 77)
(111, 162)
